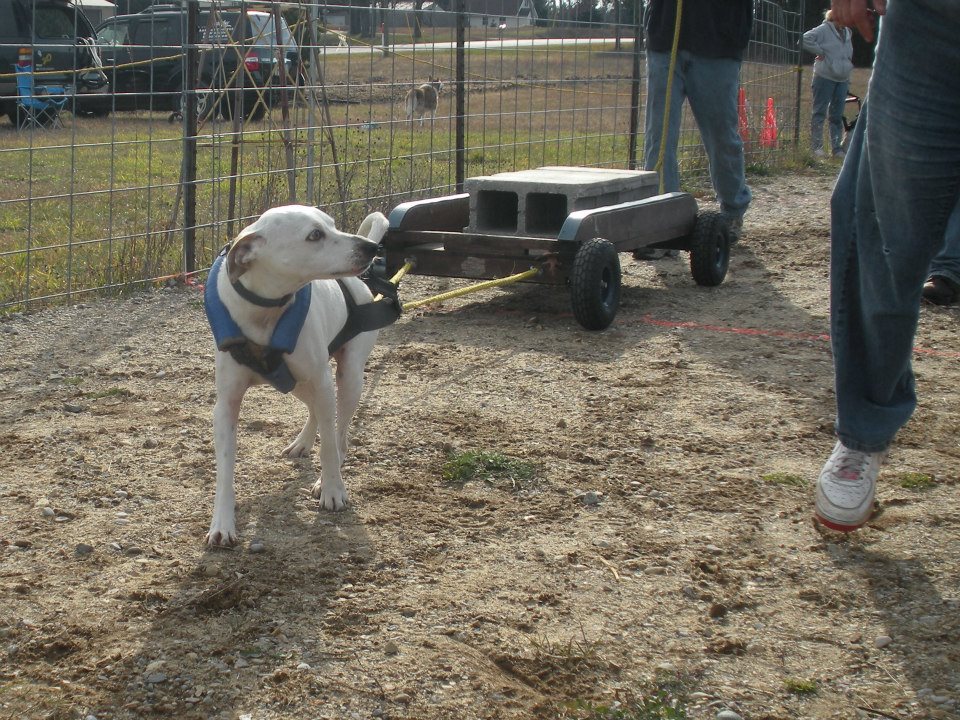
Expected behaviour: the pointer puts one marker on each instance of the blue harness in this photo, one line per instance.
(267, 360)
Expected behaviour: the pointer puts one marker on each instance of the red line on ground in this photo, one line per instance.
(759, 332)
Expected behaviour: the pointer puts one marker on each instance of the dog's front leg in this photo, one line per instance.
(226, 413)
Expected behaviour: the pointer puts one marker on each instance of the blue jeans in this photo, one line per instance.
(827, 95)
(710, 85)
(898, 185)
(947, 262)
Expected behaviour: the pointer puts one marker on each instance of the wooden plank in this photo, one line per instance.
(430, 260)
(450, 213)
(661, 220)
(473, 243)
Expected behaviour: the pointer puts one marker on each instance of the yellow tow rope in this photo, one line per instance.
(469, 289)
(666, 109)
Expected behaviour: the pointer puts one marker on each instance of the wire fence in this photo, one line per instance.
(182, 123)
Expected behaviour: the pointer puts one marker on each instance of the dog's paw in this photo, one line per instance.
(220, 536)
(297, 449)
(330, 496)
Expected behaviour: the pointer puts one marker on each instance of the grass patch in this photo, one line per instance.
(798, 686)
(783, 478)
(916, 481)
(109, 393)
(490, 467)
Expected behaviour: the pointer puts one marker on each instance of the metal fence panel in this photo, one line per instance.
(213, 119)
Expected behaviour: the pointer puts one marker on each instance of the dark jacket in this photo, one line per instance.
(709, 28)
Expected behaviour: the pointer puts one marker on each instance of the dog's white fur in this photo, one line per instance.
(423, 100)
(283, 250)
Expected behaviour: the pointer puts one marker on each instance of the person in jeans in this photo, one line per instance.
(897, 188)
(713, 36)
(943, 283)
(832, 43)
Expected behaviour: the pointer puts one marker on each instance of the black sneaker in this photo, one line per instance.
(940, 291)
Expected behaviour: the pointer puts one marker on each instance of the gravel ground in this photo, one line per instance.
(662, 554)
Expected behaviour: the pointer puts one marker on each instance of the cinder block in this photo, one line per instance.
(536, 202)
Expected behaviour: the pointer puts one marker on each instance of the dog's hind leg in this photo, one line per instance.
(320, 399)
(304, 441)
(226, 413)
(350, 363)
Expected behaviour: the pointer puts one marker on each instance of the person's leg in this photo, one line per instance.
(943, 284)
(712, 92)
(889, 214)
(838, 98)
(821, 100)
(658, 67)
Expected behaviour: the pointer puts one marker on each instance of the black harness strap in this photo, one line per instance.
(371, 316)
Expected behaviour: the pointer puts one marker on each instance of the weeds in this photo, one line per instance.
(798, 686)
(489, 467)
(916, 481)
(782, 478)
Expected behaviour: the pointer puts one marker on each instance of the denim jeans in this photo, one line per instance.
(899, 183)
(827, 95)
(947, 262)
(710, 85)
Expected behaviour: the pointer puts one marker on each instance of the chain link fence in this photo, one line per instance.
(178, 124)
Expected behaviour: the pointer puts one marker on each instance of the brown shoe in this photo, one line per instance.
(939, 291)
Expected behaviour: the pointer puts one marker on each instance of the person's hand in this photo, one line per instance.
(860, 14)
(818, 58)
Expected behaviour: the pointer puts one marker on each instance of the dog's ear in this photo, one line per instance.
(374, 227)
(241, 254)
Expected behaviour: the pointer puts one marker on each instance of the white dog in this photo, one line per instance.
(423, 100)
(278, 272)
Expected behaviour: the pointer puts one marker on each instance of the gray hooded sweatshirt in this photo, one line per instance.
(833, 47)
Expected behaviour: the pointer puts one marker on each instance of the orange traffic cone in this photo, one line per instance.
(768, 136)
(744, 124)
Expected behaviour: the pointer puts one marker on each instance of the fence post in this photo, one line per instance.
(799, 51)
(461, 94)
(635, 83)
(189, 175)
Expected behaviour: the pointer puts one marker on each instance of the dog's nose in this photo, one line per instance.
(366, 248)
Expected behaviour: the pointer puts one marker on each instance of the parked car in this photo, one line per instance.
(144, 60)
(55, 37)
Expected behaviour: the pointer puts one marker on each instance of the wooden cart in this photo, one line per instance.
(584, 254)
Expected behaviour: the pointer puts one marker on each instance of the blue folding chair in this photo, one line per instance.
(38, 106)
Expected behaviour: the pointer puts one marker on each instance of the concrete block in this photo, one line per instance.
(536, 202)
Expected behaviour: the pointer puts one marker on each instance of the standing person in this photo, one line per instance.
(898, 186)
(713, 36)
(832, 43)
(943, 284)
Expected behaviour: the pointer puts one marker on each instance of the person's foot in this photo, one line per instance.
(940, 291)
(846, 488)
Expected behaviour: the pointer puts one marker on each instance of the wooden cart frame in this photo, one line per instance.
(584, 255)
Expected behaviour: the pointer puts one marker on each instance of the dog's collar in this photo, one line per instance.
(251, 297)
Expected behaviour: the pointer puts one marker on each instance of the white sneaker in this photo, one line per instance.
(846, 486)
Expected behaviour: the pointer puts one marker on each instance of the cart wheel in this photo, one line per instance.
(710, 249)
(595, 284)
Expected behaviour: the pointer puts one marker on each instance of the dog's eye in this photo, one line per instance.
(315, 236)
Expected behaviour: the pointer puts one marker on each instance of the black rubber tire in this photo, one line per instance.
(595, 282)
(710, 249)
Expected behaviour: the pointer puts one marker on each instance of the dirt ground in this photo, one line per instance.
(697, 583)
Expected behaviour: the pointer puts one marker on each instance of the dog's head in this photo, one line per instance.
(295, 244)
